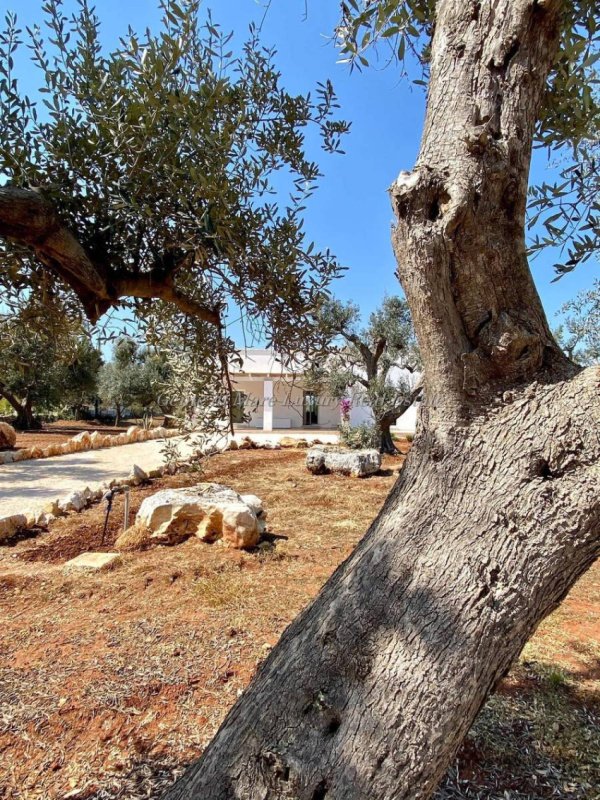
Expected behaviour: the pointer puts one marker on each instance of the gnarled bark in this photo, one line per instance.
(371, 690)
(497, 511)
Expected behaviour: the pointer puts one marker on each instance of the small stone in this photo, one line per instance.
(96, 440)
(53, 507)
(133, 433)
(233, 445)
(137, 475)
(11, 524)
(72, 502)
(92, 562)
(83, 441)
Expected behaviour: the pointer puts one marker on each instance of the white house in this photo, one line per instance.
(271, 395)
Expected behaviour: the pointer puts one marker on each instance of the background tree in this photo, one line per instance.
(135, 379)
(80, 382)
(45, 366)
(579, 335)
(375, 361)
(496, 513)
(168, 169)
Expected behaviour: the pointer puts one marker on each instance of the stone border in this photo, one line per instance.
(87, 441)
(78, 501)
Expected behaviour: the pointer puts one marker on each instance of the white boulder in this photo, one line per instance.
(10, 525)
(209, 511)
(357, 463)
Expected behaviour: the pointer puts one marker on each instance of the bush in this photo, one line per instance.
(359, 437)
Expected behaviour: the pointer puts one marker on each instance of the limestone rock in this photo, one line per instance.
(133, 433)
(97, 440)
(92, 562)
(246, 444)
(83, 441)
(137, 475)
(10, 525)
(75, 501)
(301, 444)
(287, 441)
(7, 457)
(233, 445)
(8, 435)
(357, 463)
(53, 508)
(209, 511)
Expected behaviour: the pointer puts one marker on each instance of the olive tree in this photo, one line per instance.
(375, 362)
(168, 175)
(496, 513)
(47, 364)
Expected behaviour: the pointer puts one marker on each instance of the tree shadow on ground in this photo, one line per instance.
(538, 737)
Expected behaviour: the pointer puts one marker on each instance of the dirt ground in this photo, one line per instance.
(110, 685)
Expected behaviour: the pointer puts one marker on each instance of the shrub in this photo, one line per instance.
(360, 436)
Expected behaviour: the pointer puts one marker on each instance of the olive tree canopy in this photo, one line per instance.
(168, 174)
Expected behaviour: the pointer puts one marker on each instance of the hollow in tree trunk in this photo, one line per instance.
(496, 513)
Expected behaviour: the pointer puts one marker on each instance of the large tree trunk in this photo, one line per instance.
(25, 417)
(497, 511)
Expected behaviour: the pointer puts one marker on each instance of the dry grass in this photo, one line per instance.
(111, 684)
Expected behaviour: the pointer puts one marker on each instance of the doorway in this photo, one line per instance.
(311, 409)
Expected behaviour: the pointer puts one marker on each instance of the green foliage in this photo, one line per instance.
(48, 362)
(569, 209)
(359, 437)
(135, 379)
(569, 124)
(579, 335)
(168, 155)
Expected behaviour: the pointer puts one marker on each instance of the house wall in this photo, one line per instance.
(288, 400)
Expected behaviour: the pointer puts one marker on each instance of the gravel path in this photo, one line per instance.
(28, 486)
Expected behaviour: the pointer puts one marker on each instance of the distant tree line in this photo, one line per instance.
(50, 368)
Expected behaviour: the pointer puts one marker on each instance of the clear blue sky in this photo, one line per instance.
(350, 212)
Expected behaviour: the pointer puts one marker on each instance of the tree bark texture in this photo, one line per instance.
(497, 510)
(460, 236)
(372, 689)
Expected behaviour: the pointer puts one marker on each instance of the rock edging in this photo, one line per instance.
(87, 441)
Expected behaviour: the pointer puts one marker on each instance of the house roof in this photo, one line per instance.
(264, 361)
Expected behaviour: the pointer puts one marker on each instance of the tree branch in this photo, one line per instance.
(30, 220)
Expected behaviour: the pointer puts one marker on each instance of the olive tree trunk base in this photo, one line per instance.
(372, 689)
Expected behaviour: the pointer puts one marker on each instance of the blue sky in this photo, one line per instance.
(350, 213)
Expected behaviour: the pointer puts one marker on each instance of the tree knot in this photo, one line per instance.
(505, 348)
